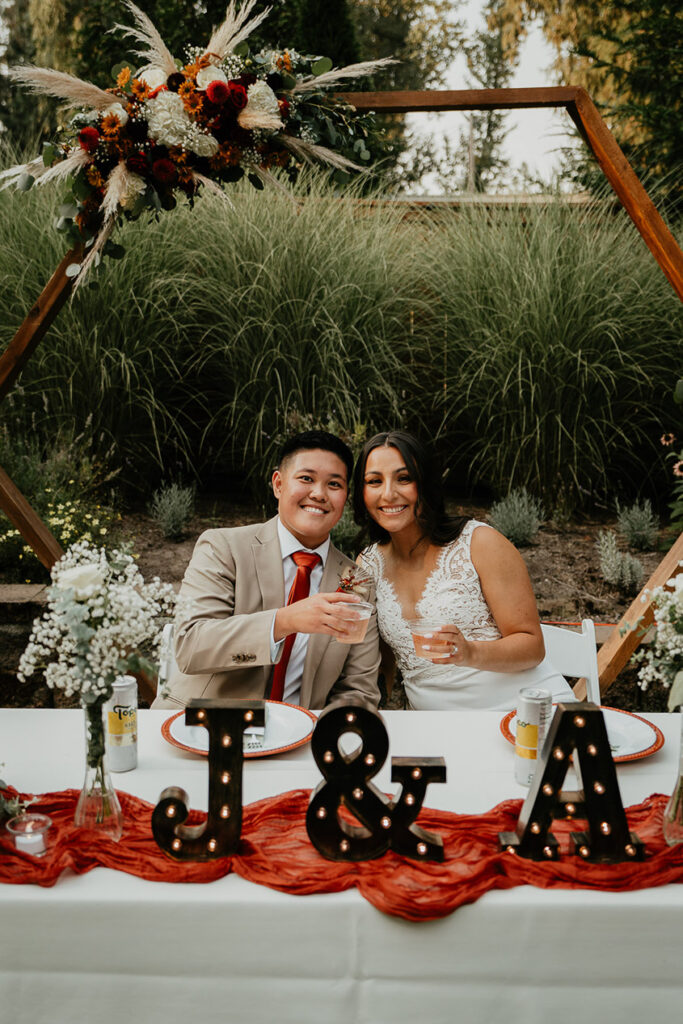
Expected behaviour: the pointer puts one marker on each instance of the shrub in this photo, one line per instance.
(517, 516)
(69, 519)
(638, 525)
(618, 568)
(172, 508)
(346, 534)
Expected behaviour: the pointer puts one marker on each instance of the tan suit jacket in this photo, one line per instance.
(222, 642)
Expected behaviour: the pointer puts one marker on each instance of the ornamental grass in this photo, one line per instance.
(541, 349)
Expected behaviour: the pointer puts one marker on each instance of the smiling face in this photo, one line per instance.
(311, 488)
(389, 491)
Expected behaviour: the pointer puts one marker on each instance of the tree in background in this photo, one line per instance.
(476, 163)
(325, 28)
(16, 107)
(424, 36)
(627, 54)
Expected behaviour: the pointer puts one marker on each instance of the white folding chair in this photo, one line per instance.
(167, 662)
(575, 654)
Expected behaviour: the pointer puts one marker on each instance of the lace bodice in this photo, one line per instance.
(451, 593)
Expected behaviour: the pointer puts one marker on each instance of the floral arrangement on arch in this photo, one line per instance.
(171, 127)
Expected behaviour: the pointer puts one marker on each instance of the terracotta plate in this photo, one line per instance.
(630, 736)
(287, 727)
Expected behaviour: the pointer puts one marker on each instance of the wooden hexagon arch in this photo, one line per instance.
(615, 653)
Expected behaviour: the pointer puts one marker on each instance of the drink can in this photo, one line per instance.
(121, 725)
(534, 708)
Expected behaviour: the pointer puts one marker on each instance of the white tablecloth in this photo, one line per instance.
(109, 947)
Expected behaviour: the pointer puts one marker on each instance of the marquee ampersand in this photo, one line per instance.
(385, 823)
(219, 835)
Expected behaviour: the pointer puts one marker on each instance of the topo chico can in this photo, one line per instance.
(534, 708)
(121, 725)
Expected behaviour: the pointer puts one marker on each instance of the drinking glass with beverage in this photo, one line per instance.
(426, 640)
(356, 618)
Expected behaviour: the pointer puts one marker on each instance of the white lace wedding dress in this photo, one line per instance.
(453, 594)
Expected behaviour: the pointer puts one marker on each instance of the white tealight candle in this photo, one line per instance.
(30, 842)
(30, 832)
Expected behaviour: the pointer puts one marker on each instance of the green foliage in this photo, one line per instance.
(172, 508)
(518, 516)
(646, 38)
(69, 519)
(638, 525)
(557, 342)
(325, 27)
(539, 350)
(618, 568)
(346, 534)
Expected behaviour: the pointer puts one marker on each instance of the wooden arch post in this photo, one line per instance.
(618, 172)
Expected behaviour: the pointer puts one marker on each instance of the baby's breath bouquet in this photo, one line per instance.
(663, 659)
(101, 613)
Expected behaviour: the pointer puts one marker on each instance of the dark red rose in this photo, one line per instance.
(284, 107)
(246, 79)
(164, 170)
(88, 139)
(137, 163)
(238, 95)
(218, 92)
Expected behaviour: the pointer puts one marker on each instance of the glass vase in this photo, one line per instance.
(673, 814)
(98, 805)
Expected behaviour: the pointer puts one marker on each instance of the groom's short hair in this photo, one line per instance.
(309, 440)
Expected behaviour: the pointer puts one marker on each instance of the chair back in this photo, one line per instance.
(575, 654)
(167, 661)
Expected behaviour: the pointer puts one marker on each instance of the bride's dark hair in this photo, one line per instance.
(436, 524)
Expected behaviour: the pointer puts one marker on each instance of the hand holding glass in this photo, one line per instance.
(356, 618)
(426, 640)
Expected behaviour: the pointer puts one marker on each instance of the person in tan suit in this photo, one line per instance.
(234, 632)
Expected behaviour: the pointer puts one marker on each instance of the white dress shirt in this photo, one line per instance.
(288, 545)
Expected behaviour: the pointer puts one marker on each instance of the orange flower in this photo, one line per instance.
(94, 177)
(284, 62)
(193, 103)
(178, 156)
(227, 156)
(123, 77)
(139, 89)
(186, 89)
(110, 126)
(667, 439)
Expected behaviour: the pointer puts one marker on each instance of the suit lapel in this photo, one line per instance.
(317, 642)
(268, 563)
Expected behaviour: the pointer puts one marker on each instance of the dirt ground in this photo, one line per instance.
(562, 564)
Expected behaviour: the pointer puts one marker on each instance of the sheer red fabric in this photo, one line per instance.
(275, 851)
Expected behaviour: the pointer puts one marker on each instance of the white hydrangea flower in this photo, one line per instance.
(167, 120)
(208, 75)
(200, 143)
(153, 77)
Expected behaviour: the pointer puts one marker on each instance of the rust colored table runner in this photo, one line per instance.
(275, 851)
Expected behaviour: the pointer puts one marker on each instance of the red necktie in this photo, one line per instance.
(305, 562)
